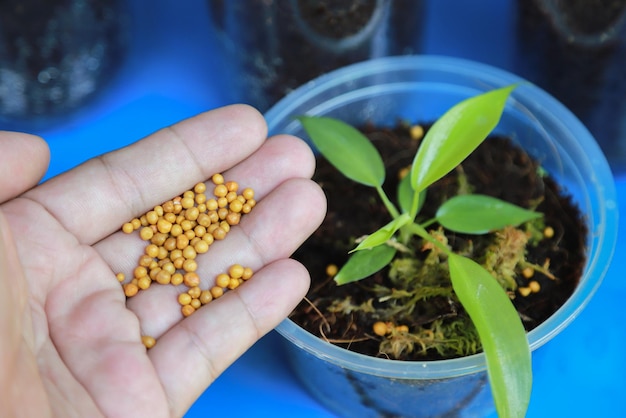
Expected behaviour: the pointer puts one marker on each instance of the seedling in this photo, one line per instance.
(447, 143)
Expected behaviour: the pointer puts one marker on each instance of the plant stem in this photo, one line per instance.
(419, 230)
(390, 207)
(428, 223)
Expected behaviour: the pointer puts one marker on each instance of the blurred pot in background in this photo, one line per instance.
(272, 47)
(576, 50)
(55, 55)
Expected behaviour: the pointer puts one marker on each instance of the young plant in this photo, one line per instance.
(447, 143)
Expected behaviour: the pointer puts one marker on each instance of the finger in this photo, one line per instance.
(24, 160)
(279, 158)
(204, 344)
(93, 200)
(274, 229)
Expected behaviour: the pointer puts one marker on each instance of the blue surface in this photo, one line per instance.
(168, 77)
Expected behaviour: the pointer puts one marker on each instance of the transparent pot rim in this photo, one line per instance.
(533, 99)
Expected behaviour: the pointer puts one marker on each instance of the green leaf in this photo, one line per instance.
(455, 135)
(479, 214)
(384, 234)
(346, 148)
(365, 263)
(405, 194)
(501, 333)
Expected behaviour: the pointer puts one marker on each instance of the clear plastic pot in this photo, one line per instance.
(423, 88)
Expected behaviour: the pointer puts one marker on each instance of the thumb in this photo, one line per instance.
(24, 160)
(21, 391)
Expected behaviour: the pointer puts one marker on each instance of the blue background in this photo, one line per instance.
(170, 75)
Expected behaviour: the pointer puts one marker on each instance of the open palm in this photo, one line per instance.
(69, 341)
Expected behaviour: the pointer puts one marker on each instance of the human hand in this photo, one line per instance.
(69, 341)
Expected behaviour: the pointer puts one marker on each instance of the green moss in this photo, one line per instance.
(448, 338)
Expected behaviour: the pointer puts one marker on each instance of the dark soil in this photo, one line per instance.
(497, 168)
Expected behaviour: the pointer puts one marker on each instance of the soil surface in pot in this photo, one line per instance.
(426, 321)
